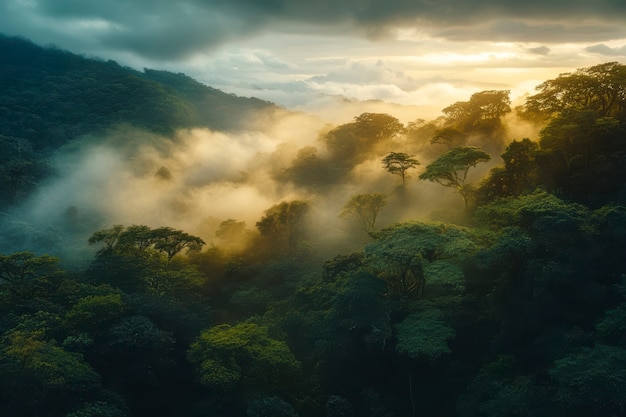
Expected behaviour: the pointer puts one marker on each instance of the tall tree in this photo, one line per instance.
(243, 356)
(449, 136)
(451, 168)
(482, 111)
(366, 208)
(351, 143)
(600, 89)
(283, 225)
(398, 163)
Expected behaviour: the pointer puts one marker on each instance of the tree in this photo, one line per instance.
(350, 143)
(574, 134)
(171, 241)
(398, 163)
(270, 407)
(424, 333)
(482, 111)
(366, 208)
(24, 274)
(519, 163)
(49, 366)
(284, 224)
(244, 356)
(94, 313)
(309, 169)
(599, 89)
(592, 381)
(136, 240)
(233, 235)
(449, 136)
(21, 266)
(108, 236)
(378, 125)
(519, 173)
(450, 169)
(410, 257)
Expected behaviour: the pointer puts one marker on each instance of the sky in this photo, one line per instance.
(419, 55)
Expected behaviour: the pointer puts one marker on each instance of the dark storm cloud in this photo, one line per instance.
(171, 29)
(607, 50)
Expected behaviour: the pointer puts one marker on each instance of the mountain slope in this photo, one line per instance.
(50, 96)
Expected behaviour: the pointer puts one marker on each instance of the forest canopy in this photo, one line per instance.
(348, 295)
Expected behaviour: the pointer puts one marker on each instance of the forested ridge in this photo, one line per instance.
(51, 97)
(509, 302)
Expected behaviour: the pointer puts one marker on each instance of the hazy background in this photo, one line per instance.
(316, 55)
(325, 63)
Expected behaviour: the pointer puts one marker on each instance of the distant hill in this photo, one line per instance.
(50, 96)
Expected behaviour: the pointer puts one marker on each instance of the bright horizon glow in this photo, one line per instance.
(304, 56)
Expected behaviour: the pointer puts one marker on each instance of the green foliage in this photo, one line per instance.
(270, 407)
(138, 258)
(536, 213)
(284, 226)
(510, 250)
(351, 143)
(525, 317)
(308, 169)
(172, 241)
(575, 134)
(358, 304)
(519, 173)
(612, 328)
(50, 365)
(424, 334)
(327, 317)
(243, 356)
(451, 168)
(135, 240)
(337, 406)
(401, 255)
(340, 265)
(98, 409)
(366, 208)
(231, 232)
(139, 332)
(598, 89)
(593, 380)
(95, 311)
(582, 151)
(443, 278)
(398, 163)
(51, 96)
(481, 113)
(445, 170)
(497, 391)
(19, 267)
(449, 136)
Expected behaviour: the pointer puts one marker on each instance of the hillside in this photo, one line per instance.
(445, 268)
(50, 96)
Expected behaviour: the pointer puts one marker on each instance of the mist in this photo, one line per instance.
(197, 178)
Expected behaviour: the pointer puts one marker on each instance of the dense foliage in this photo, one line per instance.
(519, 309)
(50, 97)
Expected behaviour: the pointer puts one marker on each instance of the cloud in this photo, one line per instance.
(539, 50)
(603, 49)
(515, 30)
(364, 74)
(163, 29)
